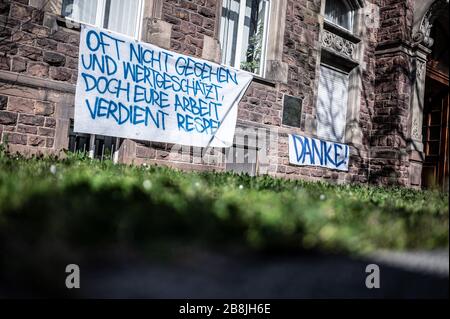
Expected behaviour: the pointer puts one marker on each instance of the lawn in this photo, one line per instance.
(88, 204)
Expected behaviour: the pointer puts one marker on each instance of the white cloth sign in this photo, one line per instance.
(139, 91)
(306, 151)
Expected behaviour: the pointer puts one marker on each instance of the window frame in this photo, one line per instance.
(100, 18)
(345, 106)
(353, 66)
(352, 13)
(239, 41)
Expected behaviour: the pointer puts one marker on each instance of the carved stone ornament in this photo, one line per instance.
(424, 34)
(338, 44)
(421, 66)
(415, 132)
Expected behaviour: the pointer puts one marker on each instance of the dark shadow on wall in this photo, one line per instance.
(390, 135)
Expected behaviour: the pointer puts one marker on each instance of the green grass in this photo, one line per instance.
(77, 202)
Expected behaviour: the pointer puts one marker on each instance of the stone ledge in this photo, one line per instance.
(340, 31)
(264, 81)
(395, 47)
(31, 81)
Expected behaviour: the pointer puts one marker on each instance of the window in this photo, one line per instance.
(339, 12)
(332, 104)
(242, 159)
(339, 91)
(121, 16)
(243, 34)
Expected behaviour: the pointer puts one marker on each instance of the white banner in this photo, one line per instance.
(306, 151)
(139, 91)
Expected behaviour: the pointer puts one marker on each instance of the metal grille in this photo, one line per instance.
(97, 146)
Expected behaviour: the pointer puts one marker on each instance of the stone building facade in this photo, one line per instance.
(379, 49)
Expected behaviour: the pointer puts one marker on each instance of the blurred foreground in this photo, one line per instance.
(198, 273)
(155, 232)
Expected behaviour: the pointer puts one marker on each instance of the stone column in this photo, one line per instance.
(415, 146)
(276, 69)
(155, 30)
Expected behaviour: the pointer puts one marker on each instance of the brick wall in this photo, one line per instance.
(396, 20)
(34, 115)
(29, 50)
(191, 20)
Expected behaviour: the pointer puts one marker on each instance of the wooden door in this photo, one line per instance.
(436, 134)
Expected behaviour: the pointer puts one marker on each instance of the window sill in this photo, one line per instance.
(264, 81)
(340, 31)
(338, 61)
(62, 21)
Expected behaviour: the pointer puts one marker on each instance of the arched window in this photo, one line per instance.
(339, 12)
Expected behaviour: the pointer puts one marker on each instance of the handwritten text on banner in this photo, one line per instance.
(306, 151)
(136, 90)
